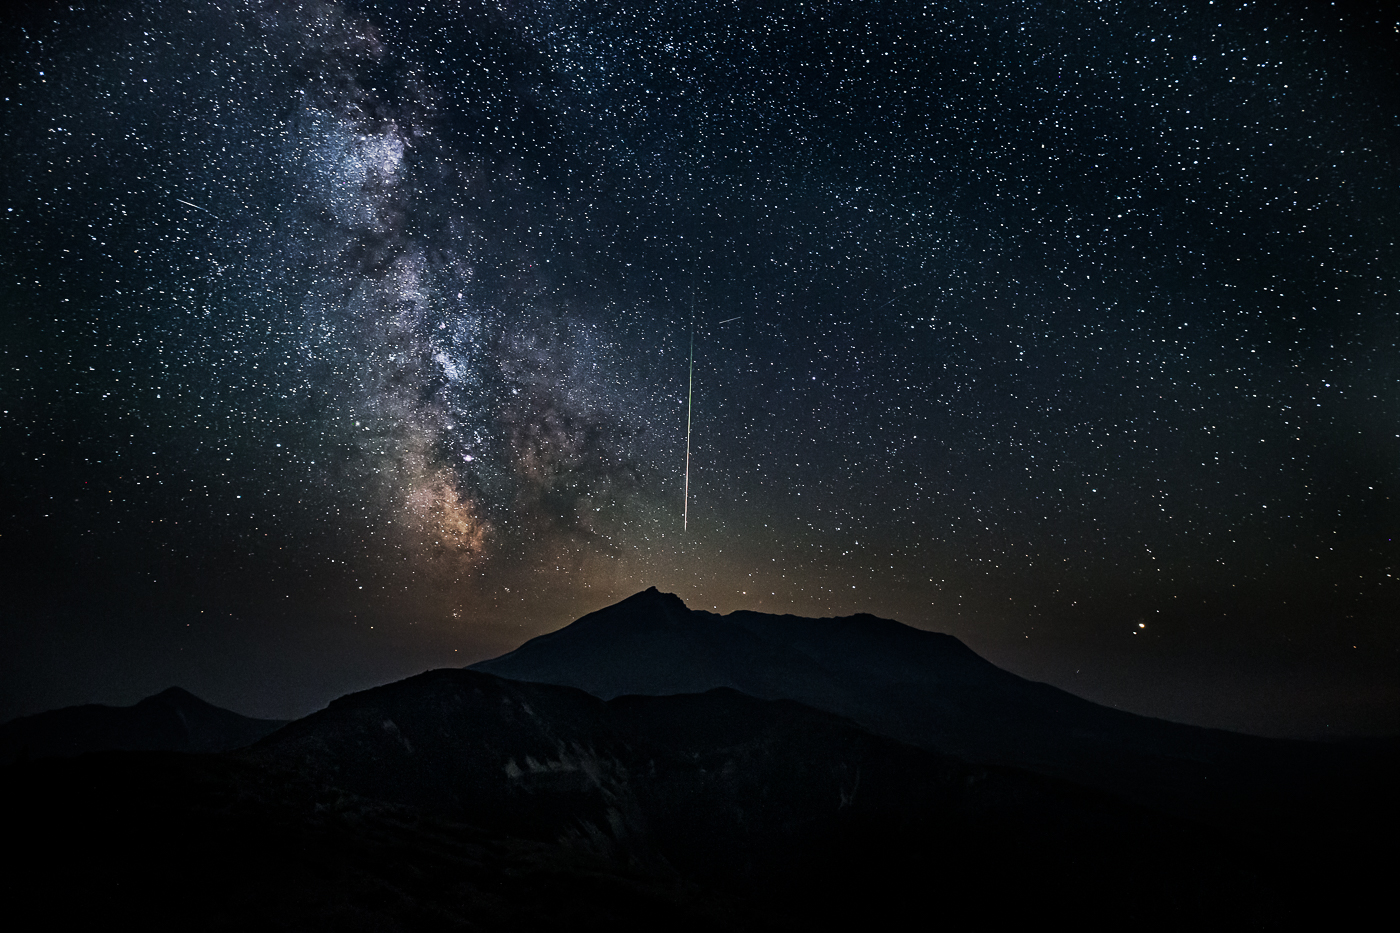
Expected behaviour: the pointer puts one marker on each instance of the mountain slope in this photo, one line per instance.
(172, 720)
(786, 807)
(170, 841)
(924, 688)
(545, 761)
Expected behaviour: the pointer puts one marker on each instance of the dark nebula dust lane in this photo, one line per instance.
(342, 340)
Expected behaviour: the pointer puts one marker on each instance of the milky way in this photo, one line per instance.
(1069, 330)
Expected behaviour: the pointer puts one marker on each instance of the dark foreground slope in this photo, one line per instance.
(173, 720)
(719, 786)
(458, 800)
(177, 842)
(931, 690)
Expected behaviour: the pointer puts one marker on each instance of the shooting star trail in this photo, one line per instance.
(689, 398)
(689, 395)
(198, 208)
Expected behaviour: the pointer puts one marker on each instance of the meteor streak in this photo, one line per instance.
(689, 398)
(198, 208)
(689, 395)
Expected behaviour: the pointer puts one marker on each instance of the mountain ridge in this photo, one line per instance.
(741, 793)
(415, 803)
(924, 688)
(172, 720)
(460, 799)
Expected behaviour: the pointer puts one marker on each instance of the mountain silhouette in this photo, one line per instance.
(924, 688)
(457, 799)
(172, 720)
(779, 804)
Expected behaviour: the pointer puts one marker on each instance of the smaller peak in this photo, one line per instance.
(173, 693)
(177, 696)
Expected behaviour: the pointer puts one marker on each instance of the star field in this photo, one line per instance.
(1070, 330)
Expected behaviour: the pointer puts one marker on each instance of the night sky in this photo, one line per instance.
(344, 340)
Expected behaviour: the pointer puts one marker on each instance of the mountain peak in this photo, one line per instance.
(652, 595)
(177, 695)
(671, 607)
